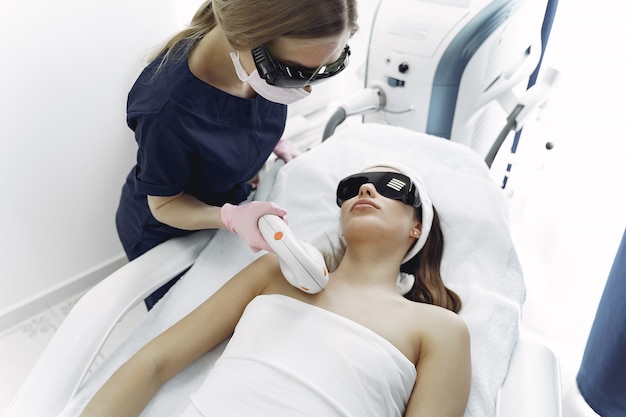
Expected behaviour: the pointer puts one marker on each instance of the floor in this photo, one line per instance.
(567, 205)
(21, 345)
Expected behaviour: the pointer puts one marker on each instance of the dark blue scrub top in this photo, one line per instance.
(192, 138)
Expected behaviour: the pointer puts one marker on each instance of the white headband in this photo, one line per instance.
(427, 205)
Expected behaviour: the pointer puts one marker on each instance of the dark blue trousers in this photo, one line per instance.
(602, 375)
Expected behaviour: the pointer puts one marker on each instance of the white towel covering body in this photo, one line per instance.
(289, 358)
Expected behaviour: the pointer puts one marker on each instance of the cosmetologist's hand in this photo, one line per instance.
(243, 220)
(286, 150)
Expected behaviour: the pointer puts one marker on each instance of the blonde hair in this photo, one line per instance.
(251, 23)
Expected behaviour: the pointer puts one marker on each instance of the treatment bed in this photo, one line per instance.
(512, 376)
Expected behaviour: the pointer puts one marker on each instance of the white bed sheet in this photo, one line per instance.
(480, 262)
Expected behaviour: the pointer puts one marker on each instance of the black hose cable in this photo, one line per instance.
(511, 124)
(335, 120)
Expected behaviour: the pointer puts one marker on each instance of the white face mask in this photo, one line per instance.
(273, 93)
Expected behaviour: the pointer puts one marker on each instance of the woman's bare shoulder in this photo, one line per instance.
(273, 279)
(440, 324)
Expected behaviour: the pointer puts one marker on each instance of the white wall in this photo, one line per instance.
(66, 68)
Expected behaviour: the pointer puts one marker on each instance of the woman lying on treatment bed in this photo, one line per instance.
(358, 348)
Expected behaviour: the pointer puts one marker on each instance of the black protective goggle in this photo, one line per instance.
(293, 76)
(388, 184)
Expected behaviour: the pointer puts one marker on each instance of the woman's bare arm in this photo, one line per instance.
(132, 386)
(443, 370)
(186, 212)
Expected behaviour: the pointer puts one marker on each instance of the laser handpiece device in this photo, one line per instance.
(301, 263)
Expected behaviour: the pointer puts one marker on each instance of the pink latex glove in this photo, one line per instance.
(243, 220)
(286, 150)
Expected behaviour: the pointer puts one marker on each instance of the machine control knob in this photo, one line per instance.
(403, 67)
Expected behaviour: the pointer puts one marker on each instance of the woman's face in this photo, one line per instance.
(370, 212)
